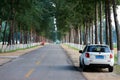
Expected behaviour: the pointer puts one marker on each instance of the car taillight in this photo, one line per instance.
(111, 56)
(87, 55)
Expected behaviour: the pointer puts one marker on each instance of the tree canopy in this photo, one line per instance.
(38, 15)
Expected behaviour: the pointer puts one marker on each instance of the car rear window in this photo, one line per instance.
(98, 49)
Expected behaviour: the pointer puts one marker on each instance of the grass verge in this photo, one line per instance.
(71, 47)
(116, 67)
(19, 49)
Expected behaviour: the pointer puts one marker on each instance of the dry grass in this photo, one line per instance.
(117, 69)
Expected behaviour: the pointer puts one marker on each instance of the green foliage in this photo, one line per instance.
(118, 2)
(75, 13)
(28, 14)
(38, 14)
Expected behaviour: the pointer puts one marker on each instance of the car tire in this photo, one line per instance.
(80, 65)
(110, 69)
(83, 66)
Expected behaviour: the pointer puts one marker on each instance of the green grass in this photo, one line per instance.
(71, 47)
(115, 58)
(115, 45)
(117, 69)
(19, 49)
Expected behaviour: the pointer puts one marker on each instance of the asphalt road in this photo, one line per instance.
(47, 63)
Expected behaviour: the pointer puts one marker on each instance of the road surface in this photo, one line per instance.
(47, 63)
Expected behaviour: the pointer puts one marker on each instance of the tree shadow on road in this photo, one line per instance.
(63, 68)
(66, 68)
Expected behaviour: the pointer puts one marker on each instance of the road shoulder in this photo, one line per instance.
(9, 56)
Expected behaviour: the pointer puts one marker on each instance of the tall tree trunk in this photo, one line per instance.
(69, 35)
(81, 35)
(31, 33)
(78, 34)
(4, 33)
(96, 22)
(21, 35)
(10, 32)
(86, 33)
(72, 35)
(0, 28)
(76, 37)
(66, 38)
(25, 37)
(89, 32)
(110, 26)
(11, 38)
(107, 25)
(101, 29)
(16, 33)
(0, 24)
(117, 29)
(92, 33)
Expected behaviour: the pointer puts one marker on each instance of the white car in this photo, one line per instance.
(98, 56)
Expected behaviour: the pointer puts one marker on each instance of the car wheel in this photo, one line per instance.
(83, 67)
(110, 69)
(80, 65)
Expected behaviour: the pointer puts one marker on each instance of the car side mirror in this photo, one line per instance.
(80, 51)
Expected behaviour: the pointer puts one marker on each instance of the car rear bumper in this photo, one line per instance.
(100, 65)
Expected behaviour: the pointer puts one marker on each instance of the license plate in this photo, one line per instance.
(99, 57)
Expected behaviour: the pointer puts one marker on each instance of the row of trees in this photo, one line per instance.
(74, 19)
(81, 21)
(28, 19)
